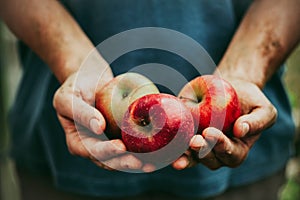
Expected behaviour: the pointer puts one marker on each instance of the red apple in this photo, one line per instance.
(153, 121)
(213, 103)
(114, 98)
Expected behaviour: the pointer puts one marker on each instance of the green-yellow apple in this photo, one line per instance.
(114, 98)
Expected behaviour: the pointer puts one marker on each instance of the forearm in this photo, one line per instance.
(49, 30)
(267, 34)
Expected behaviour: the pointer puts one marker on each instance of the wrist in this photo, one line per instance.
(85, 63)
(250, 64)
(242, 72)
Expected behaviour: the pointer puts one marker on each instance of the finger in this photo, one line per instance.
(201, 152)
(200, 146)
(124, 162)
(147, 168)
(211, 161)
(82, 142)
(106, 149)
(99, 152)
(253, 123)
(88, 116)
(197, 143)
(181, 163)
(229, 152)
(75, 108)
(73, 141)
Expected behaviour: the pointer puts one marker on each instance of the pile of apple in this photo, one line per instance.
(147, 120)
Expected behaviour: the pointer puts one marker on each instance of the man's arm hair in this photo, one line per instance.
(267, 34)
(50, 31)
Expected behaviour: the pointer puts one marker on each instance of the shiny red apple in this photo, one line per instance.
(153, 121)
(114, 98)
(213, 103)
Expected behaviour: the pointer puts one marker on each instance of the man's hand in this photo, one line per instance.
(267, 34)
(214, 149)
(53, 34)
(84, 124)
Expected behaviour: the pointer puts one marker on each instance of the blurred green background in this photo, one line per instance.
(291, 190)
(10, 74)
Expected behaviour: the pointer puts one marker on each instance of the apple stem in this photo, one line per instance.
(124, 95)
(185, 98)
(144, 122)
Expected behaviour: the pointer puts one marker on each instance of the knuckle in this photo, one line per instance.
(76, 148)
(89, 96)
(56, 98)
(78, 117)
(114, 150)
(124, 164)
(223, 153)
(128, 161)
(274, 112)
(228, 152)
(257, 126)
(81, 116)
(61, 99)
(96, 153)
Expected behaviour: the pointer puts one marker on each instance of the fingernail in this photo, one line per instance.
(95, 125)
(245, 129)
(183, 163)
(196, 142)
(213, 131)
(147, 168)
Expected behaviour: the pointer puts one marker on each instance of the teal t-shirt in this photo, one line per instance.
(39, 141)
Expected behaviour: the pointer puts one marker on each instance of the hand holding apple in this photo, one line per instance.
(257, 114)
(83, 124)
(156, 124)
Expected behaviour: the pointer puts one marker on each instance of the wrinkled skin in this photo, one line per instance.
(257, 114)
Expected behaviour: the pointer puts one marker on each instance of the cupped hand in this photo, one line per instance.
(214, 149)
(84, 124)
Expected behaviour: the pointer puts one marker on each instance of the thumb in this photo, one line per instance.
(80, 111)
(88, 116)
(256, 121)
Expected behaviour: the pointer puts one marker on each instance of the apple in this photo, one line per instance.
(153, 121)
(212, 101)
(114, 98)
